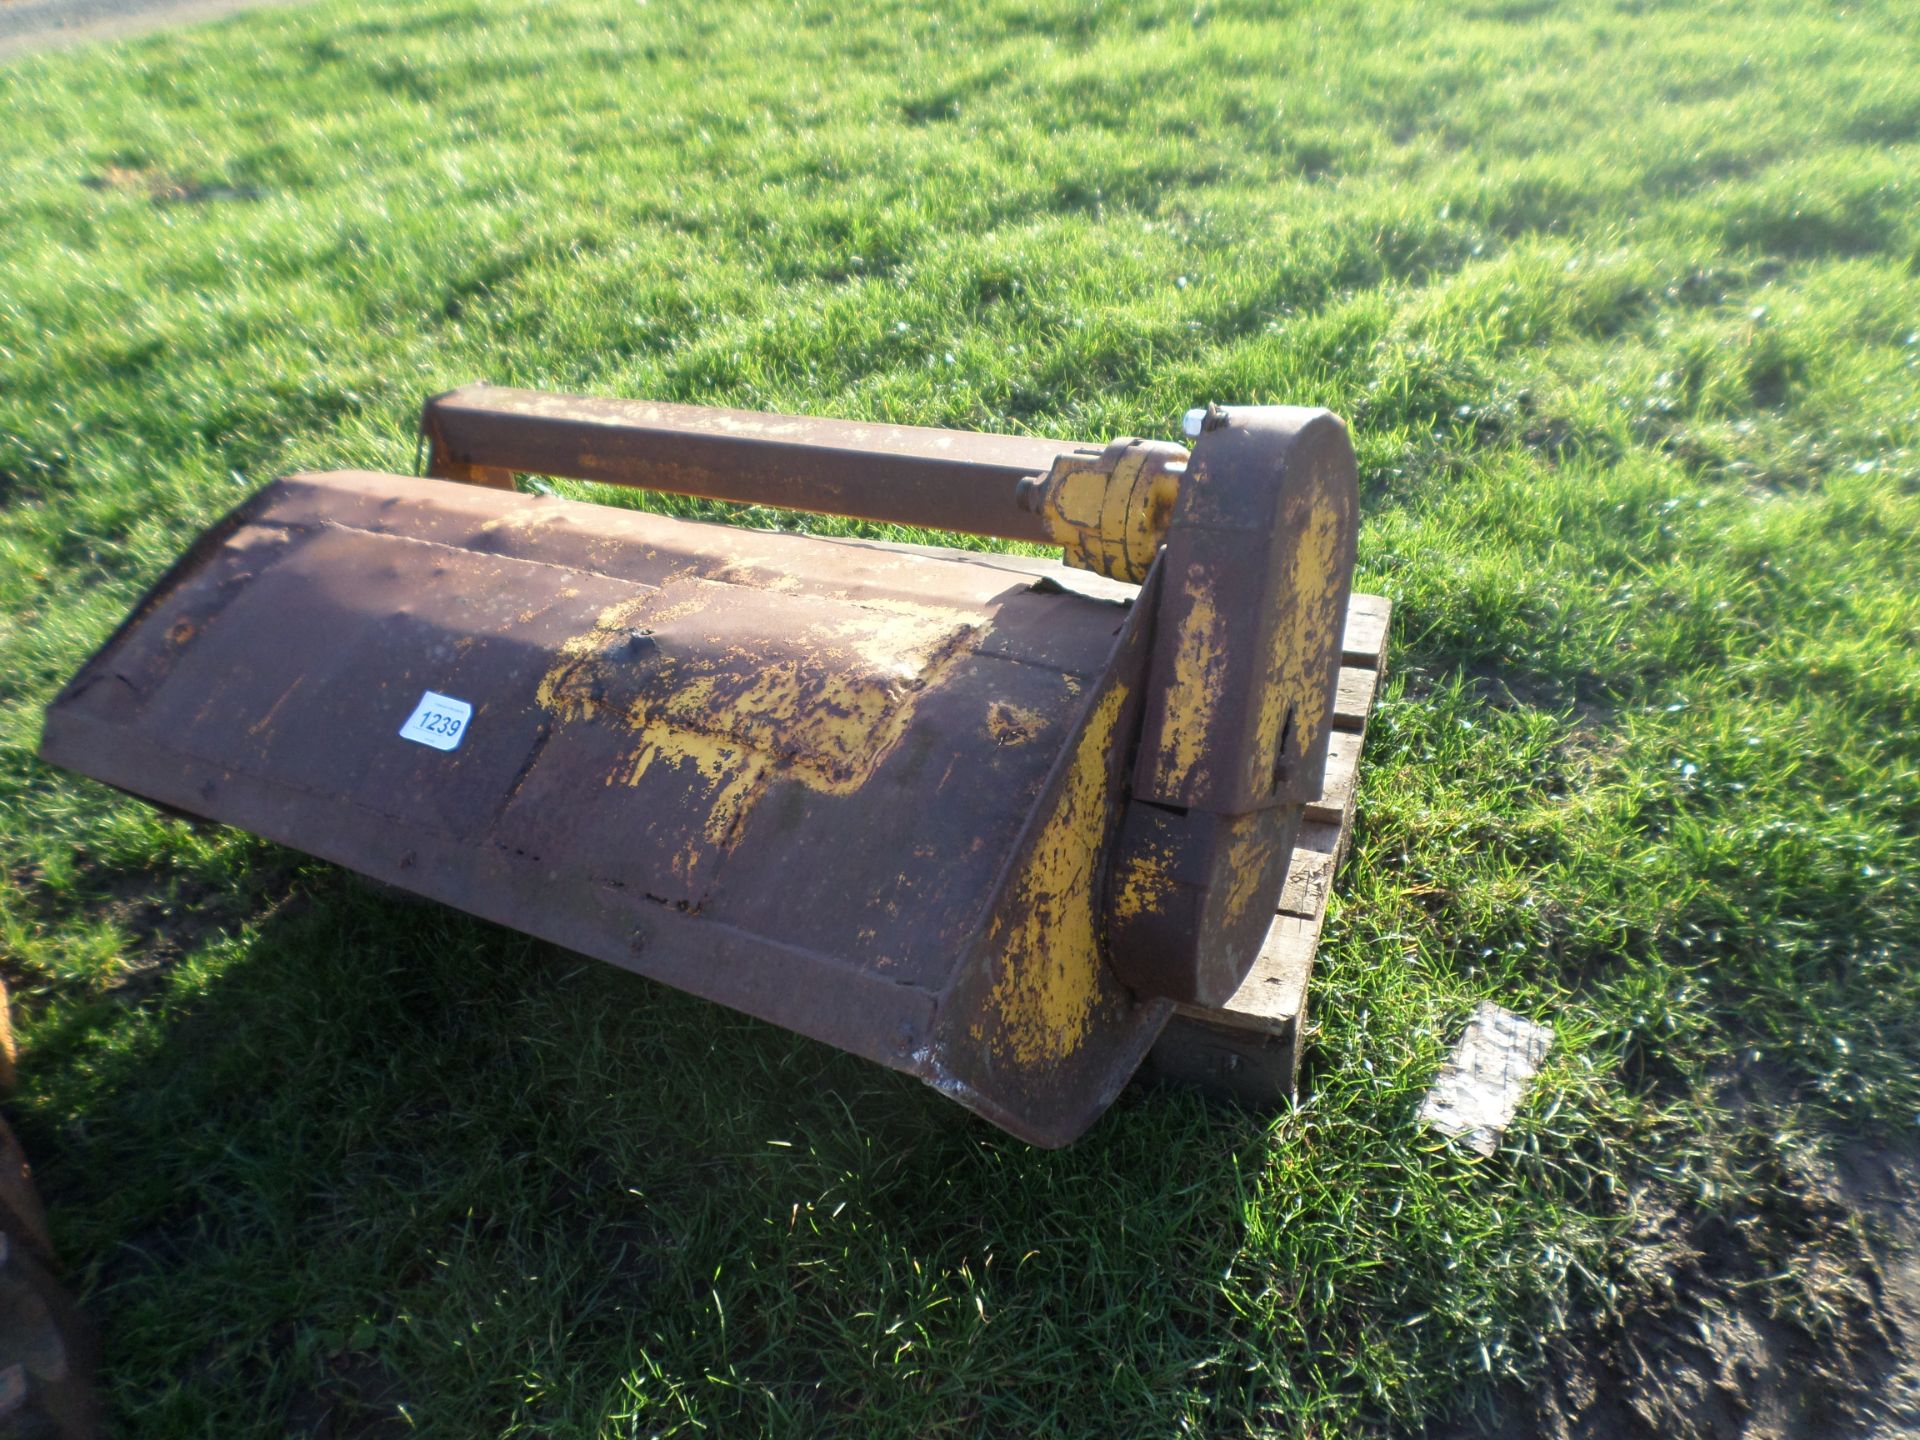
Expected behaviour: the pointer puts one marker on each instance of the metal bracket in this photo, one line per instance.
(1257, 566)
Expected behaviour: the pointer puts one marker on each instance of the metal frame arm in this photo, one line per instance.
(898, 474)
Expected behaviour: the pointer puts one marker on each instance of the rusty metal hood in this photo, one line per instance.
(862, 791)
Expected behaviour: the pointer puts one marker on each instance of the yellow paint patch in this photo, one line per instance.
(1050, 966)
(726, 778)
(741, 572)
(1308, 629)
(1012, 724)
(1109, 513)
(1189, 700)
(728, 701)
(1144, 887)
(1249, 854)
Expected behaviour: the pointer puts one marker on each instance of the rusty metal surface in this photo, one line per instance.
(862, 791)
(904, 474)
(1246, 658)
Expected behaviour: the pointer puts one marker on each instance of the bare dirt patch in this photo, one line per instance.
(1709, 1357)
(163, 919)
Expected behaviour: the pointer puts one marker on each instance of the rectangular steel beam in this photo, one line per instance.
(899, 474)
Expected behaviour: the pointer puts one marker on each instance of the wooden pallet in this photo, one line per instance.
(1249, 1048)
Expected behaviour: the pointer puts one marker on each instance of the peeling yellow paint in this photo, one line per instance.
(1249, 854)
(728, 778)
(1109, 513)
(1306, 633)
(741, 572)
(1050, 967)
(1189, 697)
(1145, 885)
(1012, 724)
(729, 711)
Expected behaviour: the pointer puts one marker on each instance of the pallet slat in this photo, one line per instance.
(1364, 641)
(1316, 854)
(1249, 1048)
(1354, 702)
(1335, 801)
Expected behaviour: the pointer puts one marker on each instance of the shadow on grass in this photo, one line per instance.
(369, 1162)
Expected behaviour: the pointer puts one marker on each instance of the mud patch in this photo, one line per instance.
(162, 918)
(1715, 1352)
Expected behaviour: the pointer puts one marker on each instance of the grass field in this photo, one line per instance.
(1623, 304)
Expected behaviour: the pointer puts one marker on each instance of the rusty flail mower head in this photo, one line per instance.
(981, 818)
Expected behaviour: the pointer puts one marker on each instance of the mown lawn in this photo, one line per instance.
(1623, 304)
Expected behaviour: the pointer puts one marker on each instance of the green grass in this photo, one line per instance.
(1623, 304)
